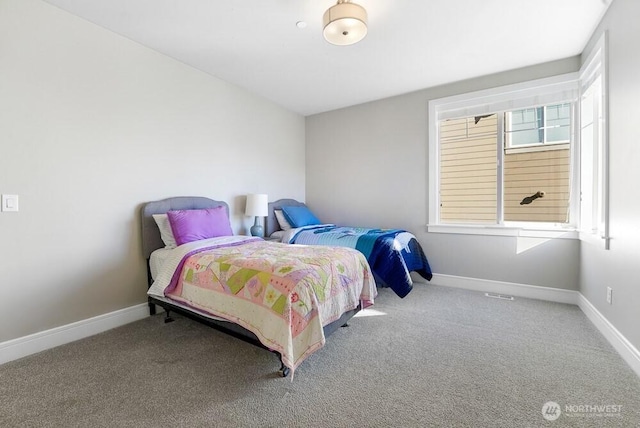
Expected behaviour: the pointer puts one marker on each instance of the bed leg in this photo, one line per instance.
(152, 309)
(167, 316)
(284, 370)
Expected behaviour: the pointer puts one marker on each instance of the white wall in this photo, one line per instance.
(368, 165)
(619, 267)
(91, 126)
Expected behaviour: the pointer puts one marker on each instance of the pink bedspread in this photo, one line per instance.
(282, 293)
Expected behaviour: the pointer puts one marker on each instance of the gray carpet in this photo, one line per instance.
(440, 357)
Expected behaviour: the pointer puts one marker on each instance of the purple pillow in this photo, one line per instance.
(193, 225)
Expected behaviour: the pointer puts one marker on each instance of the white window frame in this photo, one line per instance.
(594, 68)
(552, 90)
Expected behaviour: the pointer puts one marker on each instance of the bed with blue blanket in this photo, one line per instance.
(392, 253)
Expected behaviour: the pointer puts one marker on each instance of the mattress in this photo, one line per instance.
(157, 259)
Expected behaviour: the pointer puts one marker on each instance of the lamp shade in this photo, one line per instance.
(257, 205)
(345, 23)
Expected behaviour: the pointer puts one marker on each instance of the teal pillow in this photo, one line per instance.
(299, 216)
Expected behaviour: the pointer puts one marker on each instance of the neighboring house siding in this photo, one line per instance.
(468, 171)
(529, 172)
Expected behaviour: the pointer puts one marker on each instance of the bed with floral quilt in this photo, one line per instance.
(286, 298)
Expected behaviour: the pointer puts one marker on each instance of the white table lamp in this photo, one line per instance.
(257, 206)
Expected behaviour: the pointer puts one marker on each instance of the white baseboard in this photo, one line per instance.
(520, 290)
(41, 341)
(620, 343)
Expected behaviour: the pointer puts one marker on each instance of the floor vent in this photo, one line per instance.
(499, 296)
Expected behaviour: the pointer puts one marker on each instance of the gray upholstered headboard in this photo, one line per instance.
(272, 224)
(151, 234)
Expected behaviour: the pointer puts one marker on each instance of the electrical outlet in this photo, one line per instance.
(609, 295)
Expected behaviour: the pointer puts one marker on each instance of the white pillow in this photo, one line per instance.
(282, 221)
(162, 220)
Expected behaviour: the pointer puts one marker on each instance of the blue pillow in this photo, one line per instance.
(299, 216)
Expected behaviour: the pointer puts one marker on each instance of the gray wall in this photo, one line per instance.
(91, 126)
(619, 268)
(368, 165)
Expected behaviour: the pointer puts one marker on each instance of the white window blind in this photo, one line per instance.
(555, 90)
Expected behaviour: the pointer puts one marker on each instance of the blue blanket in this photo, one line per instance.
(392, 253)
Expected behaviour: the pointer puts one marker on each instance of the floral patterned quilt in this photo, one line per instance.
(282, 293)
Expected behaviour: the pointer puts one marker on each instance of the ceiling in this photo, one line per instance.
(411, 44)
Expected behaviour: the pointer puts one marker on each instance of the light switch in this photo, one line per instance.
(9, 203)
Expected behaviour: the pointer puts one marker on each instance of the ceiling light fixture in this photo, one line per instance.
(345, 23)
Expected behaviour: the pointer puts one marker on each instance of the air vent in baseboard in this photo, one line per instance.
(499, 296)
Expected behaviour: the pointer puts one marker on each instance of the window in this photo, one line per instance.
(594, 200)
(501, 160)
(533, 168)
(538, 126)
(527, 159)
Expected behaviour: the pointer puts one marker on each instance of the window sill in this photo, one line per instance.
(595, 239)
(523, 232)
